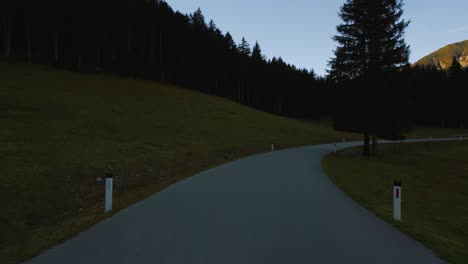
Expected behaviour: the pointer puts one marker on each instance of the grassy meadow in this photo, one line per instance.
(434, 192)
(60, 131)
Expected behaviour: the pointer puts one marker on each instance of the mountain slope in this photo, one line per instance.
(442, 58)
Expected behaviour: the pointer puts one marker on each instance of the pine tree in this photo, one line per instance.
(371, 44)
(257, 53)
(230, 42)
(370, 39)
(456, 69)
(198, 19)
(457, 88)
(244, 47)
(312, 74)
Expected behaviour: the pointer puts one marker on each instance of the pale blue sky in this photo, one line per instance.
(300, 31)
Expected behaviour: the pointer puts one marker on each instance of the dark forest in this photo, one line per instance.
(148, 40)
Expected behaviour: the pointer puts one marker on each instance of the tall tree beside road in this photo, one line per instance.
(370, 49)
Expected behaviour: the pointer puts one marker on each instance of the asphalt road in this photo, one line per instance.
(271, 208)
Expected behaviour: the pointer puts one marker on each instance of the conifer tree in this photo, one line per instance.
(257, 53)
(244, 47)
(456, 69)
(212, 25)
(456, 87)
(371, 45)
(198, 19)
(230, 42)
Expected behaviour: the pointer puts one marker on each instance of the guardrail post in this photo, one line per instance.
(109, 189)
(397, 201)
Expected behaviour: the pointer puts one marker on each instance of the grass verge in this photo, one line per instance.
(435, 190)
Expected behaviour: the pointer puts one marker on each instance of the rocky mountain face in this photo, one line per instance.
(442, 59)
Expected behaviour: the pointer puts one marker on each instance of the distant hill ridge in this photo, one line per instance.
(442, 58)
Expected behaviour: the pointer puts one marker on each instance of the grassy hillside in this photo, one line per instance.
(434, 194)
(60, 131)
(442, 58)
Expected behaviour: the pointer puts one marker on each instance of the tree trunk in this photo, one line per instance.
(79, 62)
(98, 54)
(242, 92)
(366, 151)
(374, 145)
(29, 40)
(7, 38)
(151, 52)
(161, 55)
(56, 47)
(129, 42)
(239, 92)
(247, 94)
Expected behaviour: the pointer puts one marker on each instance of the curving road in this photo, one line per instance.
(271, 208)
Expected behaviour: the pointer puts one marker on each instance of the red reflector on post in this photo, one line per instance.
(397, 193)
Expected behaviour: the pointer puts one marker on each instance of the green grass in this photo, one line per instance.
(59, 131)
(428, 132)
(435, 190)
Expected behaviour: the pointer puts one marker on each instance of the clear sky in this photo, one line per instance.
(300, 31)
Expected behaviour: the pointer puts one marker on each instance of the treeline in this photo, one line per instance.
(438, 98)
(147, 39)
(409, 97)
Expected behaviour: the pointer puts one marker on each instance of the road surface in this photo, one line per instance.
(277, 207)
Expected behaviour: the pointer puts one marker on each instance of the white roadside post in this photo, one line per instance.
(397, 201)
(109, 187)
(272, 147)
